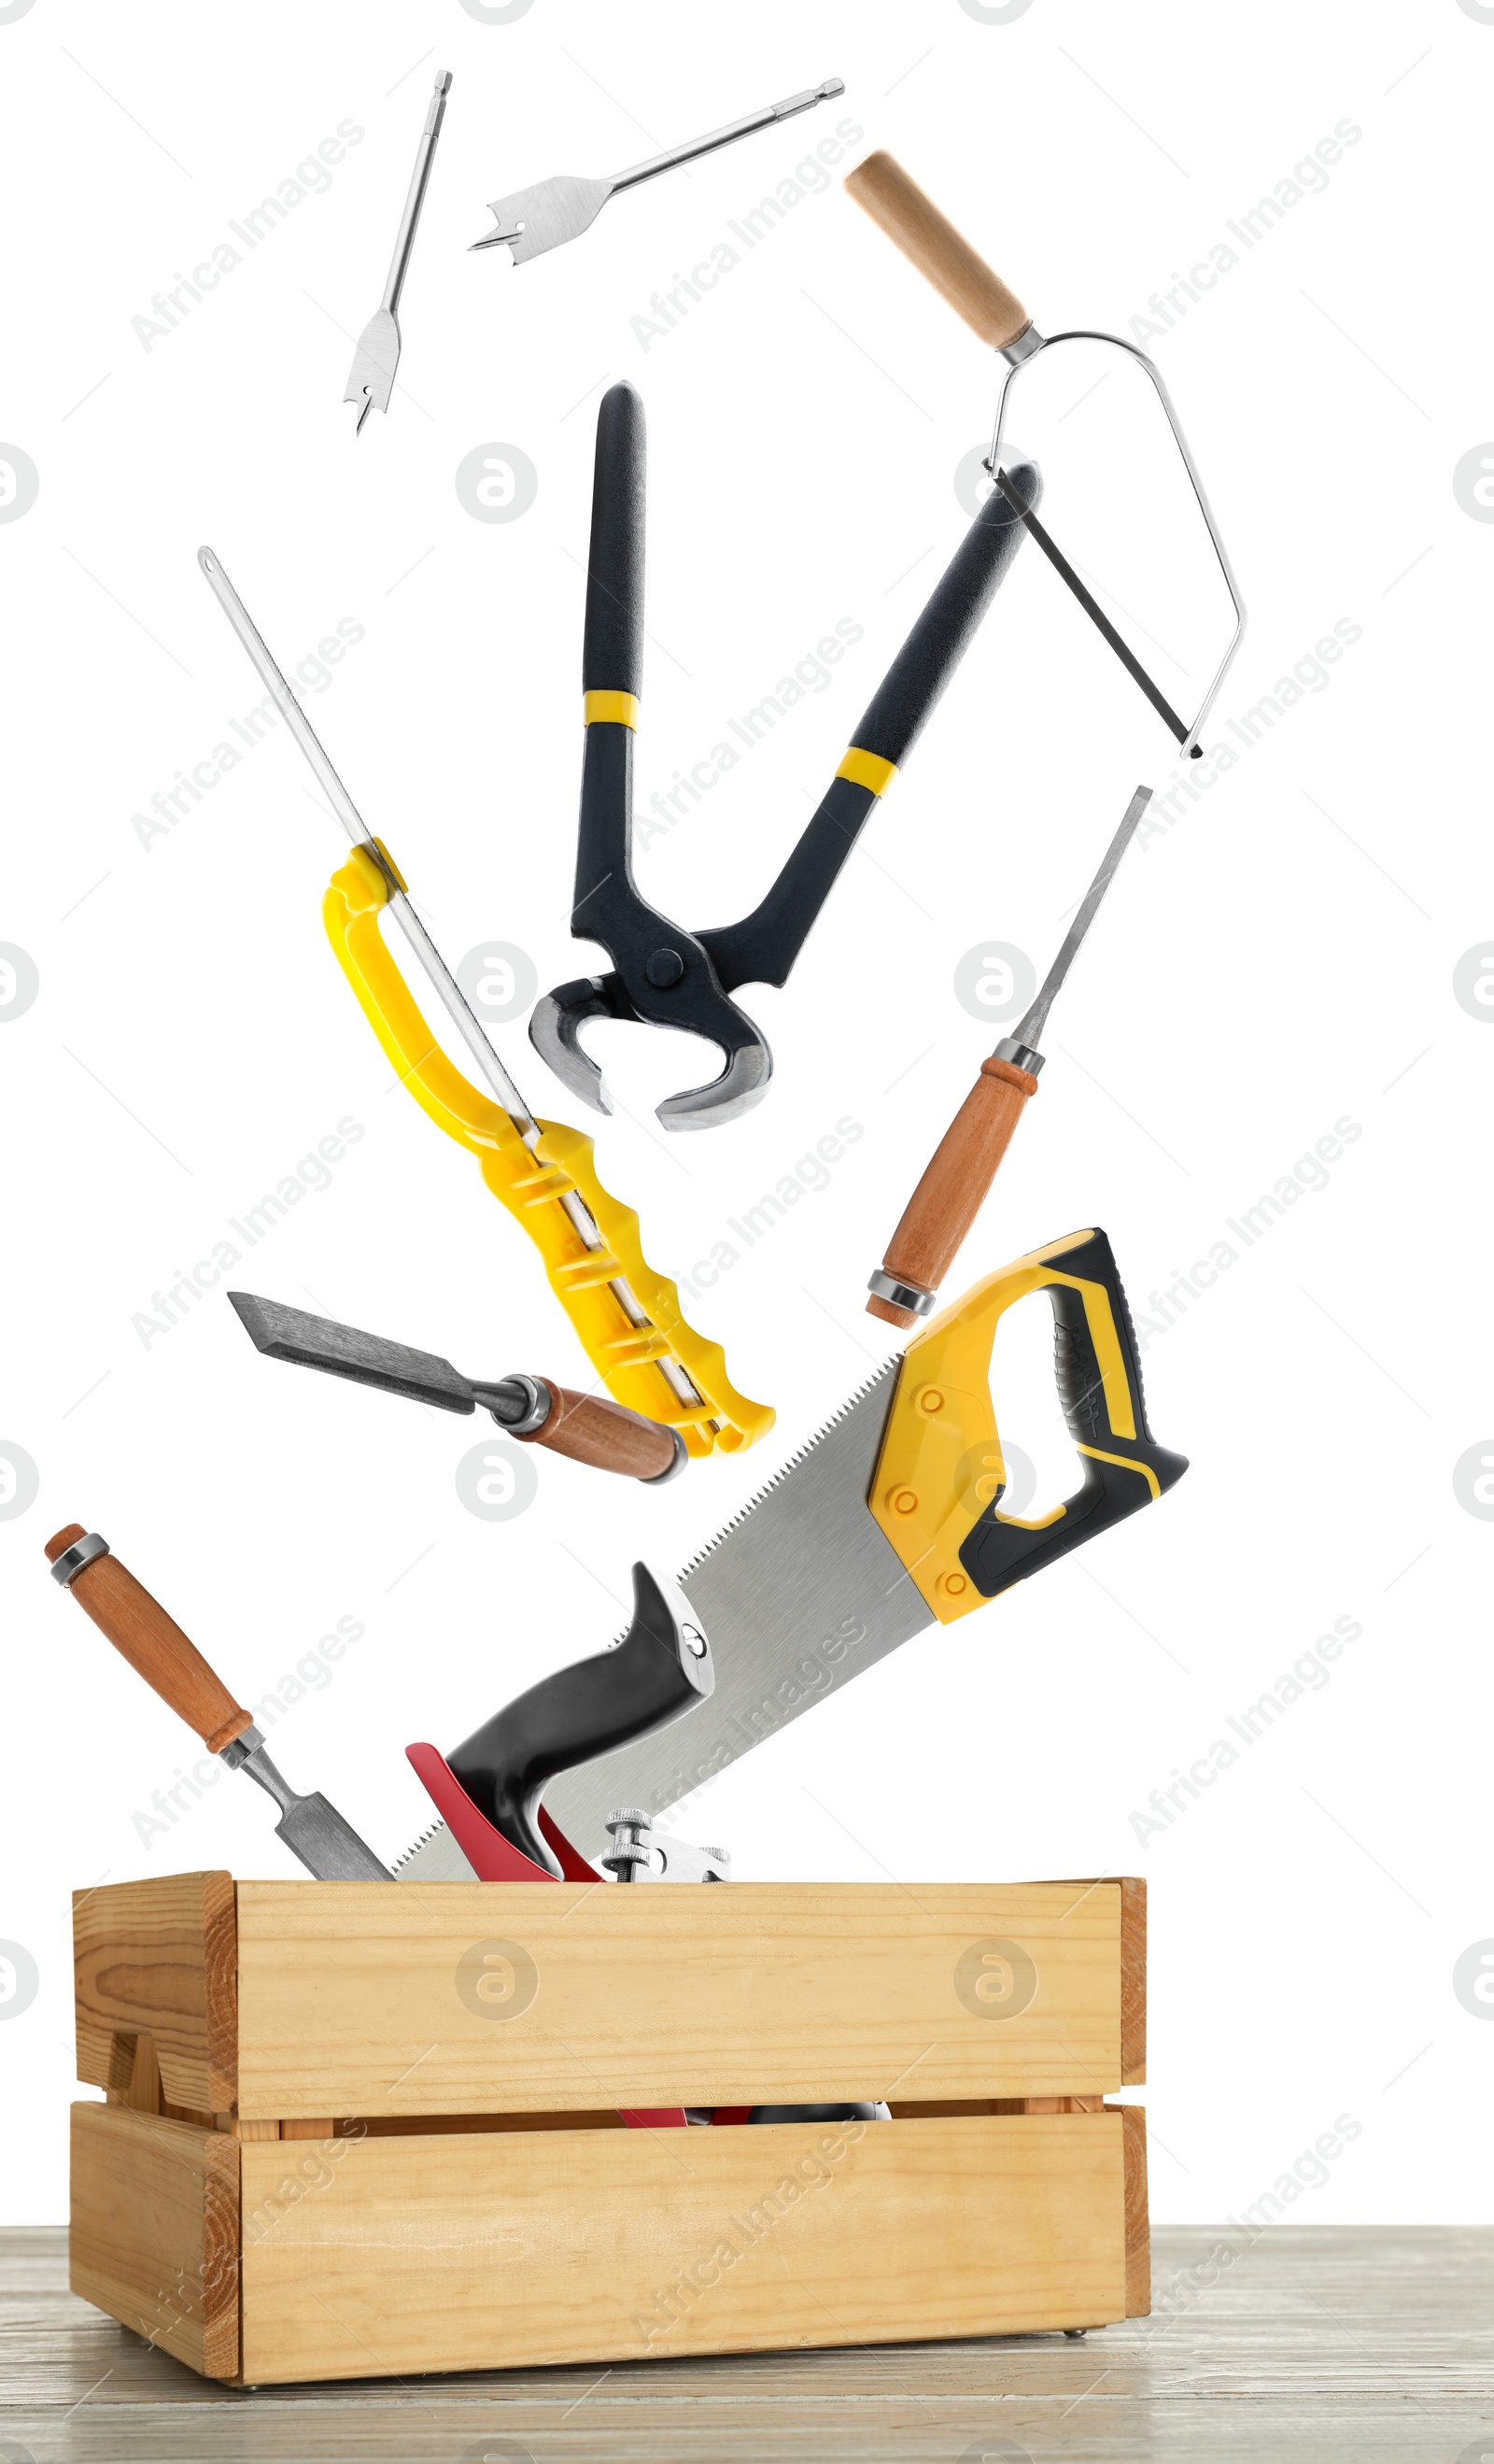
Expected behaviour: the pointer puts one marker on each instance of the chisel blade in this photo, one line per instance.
(1035, 1019)
(327, 1846)
(284, 1333)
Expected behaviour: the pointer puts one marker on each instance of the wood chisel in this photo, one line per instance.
(158, 1650)
(888, 1522)
(589, 1428)
(958, 1175)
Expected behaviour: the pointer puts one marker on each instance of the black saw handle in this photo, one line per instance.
(660, 1668)
(763, 946)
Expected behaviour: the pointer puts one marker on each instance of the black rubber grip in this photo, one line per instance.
(647, 1680)
(761, 948)
(995, 1554)
(613, 658)
(900, 707)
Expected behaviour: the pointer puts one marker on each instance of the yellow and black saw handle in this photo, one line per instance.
(940, 1477)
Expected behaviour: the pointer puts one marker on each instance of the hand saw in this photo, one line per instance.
(887, 1522)
(628, 1315)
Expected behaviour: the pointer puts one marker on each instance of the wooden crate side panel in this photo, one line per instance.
(434, 2254)
(154, 2231)
(1133, 1982)
(1138, 2224)
(159, 1959)
(354, 2000)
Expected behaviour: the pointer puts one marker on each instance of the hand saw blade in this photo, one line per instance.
(800, 1593)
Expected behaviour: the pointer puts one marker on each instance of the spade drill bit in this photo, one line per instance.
(377, 354)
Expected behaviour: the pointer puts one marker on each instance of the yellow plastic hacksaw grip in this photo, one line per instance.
(628, 1316)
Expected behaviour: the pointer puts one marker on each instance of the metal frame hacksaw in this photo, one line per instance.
(628, 1316)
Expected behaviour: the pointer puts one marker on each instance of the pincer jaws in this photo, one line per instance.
(554, 1032)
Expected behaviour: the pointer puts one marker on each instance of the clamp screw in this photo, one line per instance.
(626, 1856)
(663, 968)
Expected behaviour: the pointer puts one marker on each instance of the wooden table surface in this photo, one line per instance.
(1319, 2344)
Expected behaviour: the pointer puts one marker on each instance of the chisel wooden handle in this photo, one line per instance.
(153, 1643)
(944, 256)
(593, 1429)
(954, 1187)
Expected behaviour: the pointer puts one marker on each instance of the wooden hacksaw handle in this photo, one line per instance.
(942, 255)
(954, 1184)
(154, 1645)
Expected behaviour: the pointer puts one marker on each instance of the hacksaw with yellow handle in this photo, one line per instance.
(627, 1317)
(533, 1183)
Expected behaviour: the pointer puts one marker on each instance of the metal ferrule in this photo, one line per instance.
(246, 1752)
(519, 1405)
(1022, 1056)
(671, 1471)
(904, 1296)
(81, 1554)
(1024, 347)
(236, 1753)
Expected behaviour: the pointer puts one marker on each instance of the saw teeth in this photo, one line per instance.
(779, 1477)
(416, 1845)
(792, 1464)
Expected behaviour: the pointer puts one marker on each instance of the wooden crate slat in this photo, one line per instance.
(436, 2253)
(154, 2234)
(1138, 2227)
(158, 1958)
(1133, 1980)
(747, 1993)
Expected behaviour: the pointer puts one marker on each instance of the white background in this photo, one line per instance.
(1280, 958)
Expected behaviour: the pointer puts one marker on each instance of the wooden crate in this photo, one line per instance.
(354, 2130)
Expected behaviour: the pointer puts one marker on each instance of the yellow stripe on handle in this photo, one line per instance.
(868, 770)
(1125, 1462)
(621, 708)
